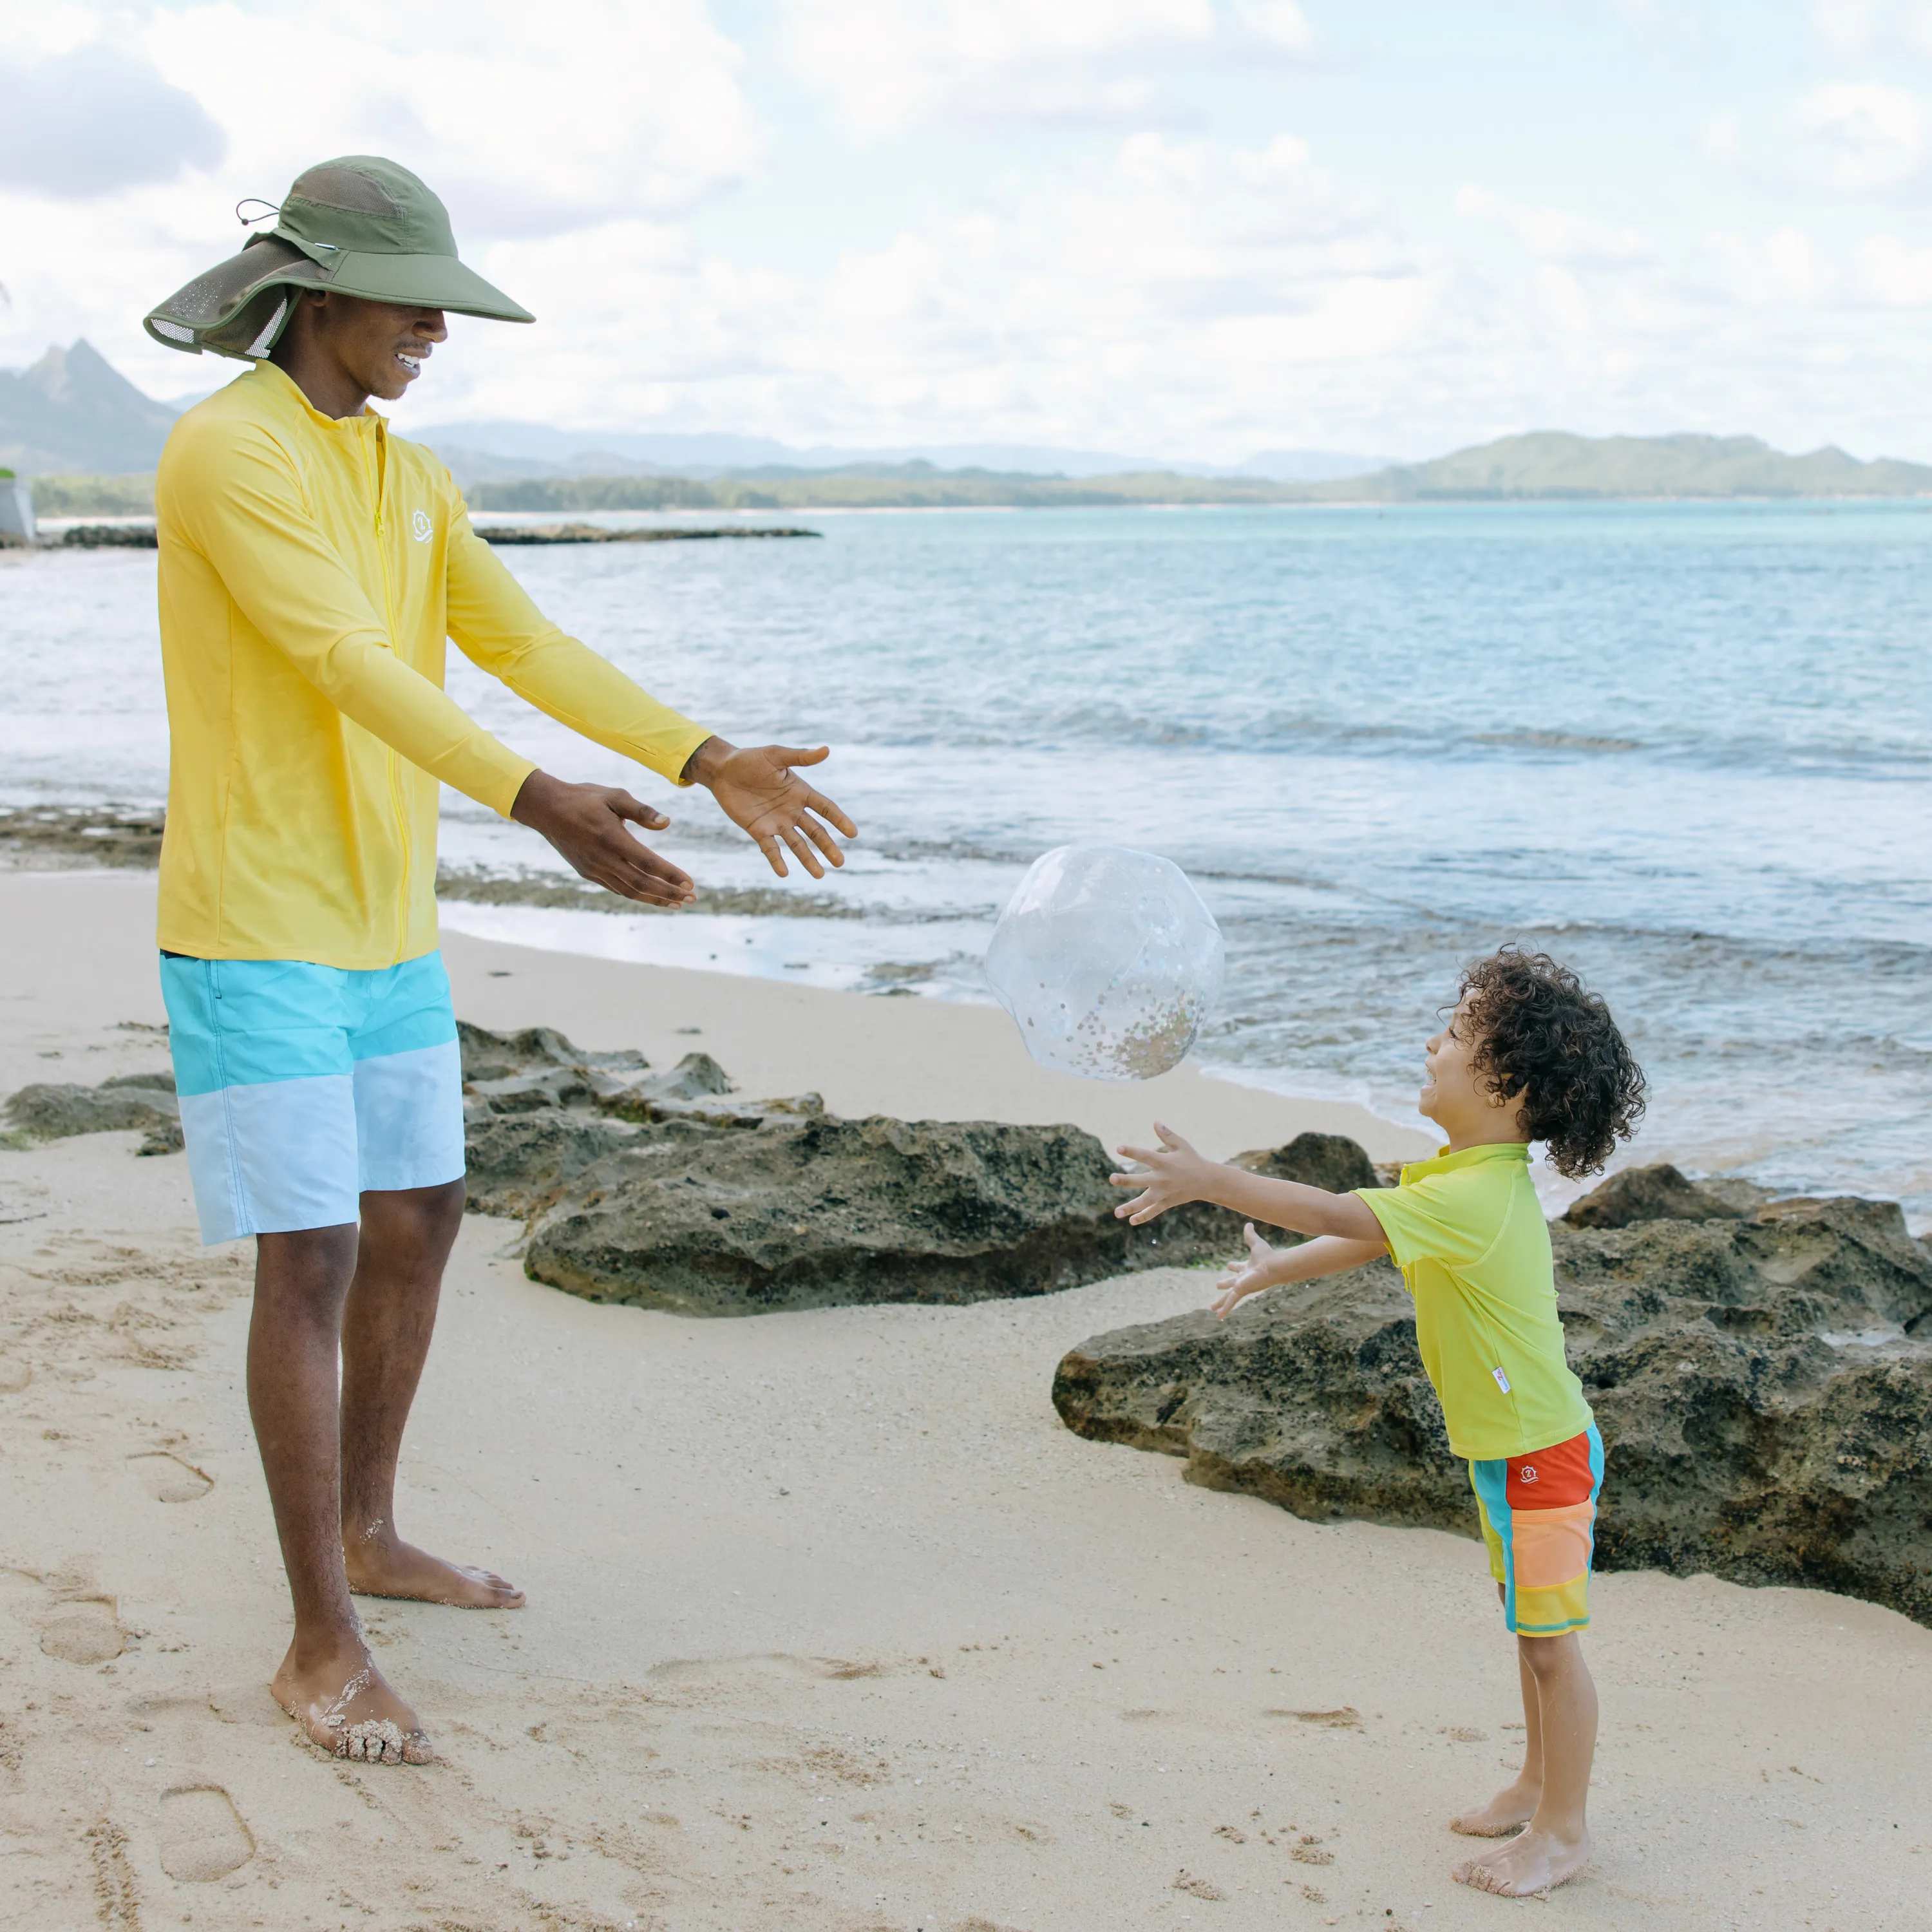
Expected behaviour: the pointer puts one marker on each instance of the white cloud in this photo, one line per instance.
(1894, 274)
(887, 65)
(1865, 135)
(1854, 30)
(524, 124)
(1782, 269)
(1555, 234)
(528, 123)
(1174, 291)
(1722, 136)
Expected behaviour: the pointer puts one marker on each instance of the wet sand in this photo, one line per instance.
(831, 1625)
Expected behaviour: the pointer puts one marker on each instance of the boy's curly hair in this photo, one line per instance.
(1543, 1038)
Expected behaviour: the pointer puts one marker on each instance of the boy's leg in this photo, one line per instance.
(1555, 1845)
(328, 1681)
(1513, 1806)
(390, 1314)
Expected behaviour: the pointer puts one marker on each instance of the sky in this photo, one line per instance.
(1187, 229)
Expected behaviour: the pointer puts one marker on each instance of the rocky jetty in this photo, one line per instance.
(1761, 1371)
(141, 535)
(666, 1190)
(584, 533)
(142, 1102)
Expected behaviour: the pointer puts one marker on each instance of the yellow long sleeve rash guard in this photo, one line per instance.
(311, 570)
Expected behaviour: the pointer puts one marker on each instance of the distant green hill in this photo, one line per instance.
(1552, 465)
(898, 486)
(1546, 466)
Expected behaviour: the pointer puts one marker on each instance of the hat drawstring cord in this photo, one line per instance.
(248, 221)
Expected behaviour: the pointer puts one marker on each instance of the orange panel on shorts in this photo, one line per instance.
(1551, 1547)
(1551, 1478)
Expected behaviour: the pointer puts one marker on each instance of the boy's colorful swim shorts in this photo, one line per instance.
(1539, 1516)
(302, 1086)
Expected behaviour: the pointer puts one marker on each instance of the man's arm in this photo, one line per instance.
(238, 502)
(1176, 1175)
(495, 624)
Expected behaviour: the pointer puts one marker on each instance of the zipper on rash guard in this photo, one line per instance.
(376, 464)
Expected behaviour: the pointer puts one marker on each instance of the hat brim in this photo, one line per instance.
(239, 306)
(422, 281)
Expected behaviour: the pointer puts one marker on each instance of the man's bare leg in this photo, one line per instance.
(327, 1683)
(407, 1237)
(1555, 1845)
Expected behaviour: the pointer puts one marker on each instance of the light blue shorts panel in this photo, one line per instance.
(303, 1086)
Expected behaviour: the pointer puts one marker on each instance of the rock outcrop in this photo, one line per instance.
(665, 1190)
(1762, 1377)
(814, 1212)
(144, 1102)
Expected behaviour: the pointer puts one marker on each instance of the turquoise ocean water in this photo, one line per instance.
(1686, 747)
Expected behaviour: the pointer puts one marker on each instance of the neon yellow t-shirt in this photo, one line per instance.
(1468, 1233)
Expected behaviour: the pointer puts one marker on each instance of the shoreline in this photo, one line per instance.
(793, 937)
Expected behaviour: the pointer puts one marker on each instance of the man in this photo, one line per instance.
(312, 567)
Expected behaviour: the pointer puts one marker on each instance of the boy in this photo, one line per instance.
(1527, 1055)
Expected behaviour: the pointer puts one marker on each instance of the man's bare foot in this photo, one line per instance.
(1508, 1811)
(1531, 1864)
(379, 1563)
(345, 1707)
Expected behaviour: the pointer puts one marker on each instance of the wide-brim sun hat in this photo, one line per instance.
(359, 225)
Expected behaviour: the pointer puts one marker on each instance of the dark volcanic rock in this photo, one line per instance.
(140, 1100)
(1658, 1193)
(519, 1163)
(808, 1213)
(1760, 1380)
(664, 1190)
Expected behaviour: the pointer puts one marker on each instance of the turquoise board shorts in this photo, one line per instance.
(304, 1087)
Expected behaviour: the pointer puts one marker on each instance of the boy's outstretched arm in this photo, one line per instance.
(1176, 1174)
(1266, 1267)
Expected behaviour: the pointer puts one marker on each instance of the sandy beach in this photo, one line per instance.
(831, 1625)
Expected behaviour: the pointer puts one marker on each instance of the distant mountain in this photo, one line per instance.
(1550, 465)
(1306, 465)
(73, 410)
(506, 451)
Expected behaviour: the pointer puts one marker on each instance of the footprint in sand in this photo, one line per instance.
(15, 1372)
(168, 1480)
(201, 1834)
(85, 1632)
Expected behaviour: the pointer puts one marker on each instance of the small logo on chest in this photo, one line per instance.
(421, 528)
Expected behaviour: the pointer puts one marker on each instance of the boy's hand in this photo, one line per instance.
(1248, 1277)
(1176, 1175)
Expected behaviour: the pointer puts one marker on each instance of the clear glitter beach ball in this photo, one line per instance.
(1107, 961)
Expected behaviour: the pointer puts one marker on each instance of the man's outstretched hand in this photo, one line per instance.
(586, 824)
(756, 789)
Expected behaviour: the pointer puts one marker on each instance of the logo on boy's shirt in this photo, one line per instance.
(1502, 1380)
(421, 528)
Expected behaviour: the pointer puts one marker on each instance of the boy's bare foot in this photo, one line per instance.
(344, 1707)
(1531, 1864)
(379, 1563)
(1508, 1811)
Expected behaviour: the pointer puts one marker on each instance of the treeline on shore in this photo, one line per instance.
(937, 489)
